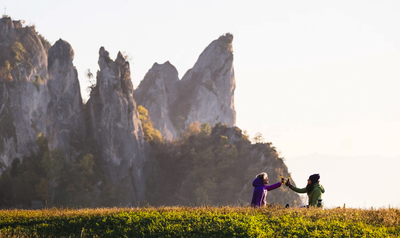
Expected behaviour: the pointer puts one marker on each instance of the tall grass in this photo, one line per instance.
(200, 222)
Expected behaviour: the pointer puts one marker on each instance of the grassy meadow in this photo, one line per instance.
(200, 222)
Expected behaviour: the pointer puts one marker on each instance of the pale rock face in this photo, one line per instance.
(8, 139)
(43, 96)
(7, 30)
(205, 93)
(213, 82)
(157, 93)
(23, 97)
(115, 127)
(65, 122)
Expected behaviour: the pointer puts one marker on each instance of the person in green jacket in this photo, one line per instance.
(313, 189)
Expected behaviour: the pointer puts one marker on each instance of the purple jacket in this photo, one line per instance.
(260, 192)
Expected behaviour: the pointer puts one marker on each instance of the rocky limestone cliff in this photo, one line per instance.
(210, 86)
(115, 128)
(65, 121)
(39, 95)
(23, 100)
(205, 93)
(157, 93)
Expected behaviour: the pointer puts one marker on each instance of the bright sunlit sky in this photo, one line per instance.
(314, 77)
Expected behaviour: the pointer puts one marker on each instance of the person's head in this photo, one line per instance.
(263, 177)
(313, 179)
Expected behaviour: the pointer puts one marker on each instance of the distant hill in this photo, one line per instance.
(214, 166)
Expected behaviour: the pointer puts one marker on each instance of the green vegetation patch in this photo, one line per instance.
(200, 222)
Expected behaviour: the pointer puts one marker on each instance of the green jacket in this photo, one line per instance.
(315, 194)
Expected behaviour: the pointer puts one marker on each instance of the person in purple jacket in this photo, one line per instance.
(261, 189)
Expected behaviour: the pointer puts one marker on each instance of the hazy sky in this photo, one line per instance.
(312, 76)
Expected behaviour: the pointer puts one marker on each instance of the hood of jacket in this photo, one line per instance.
(258, 183)
(319, 186)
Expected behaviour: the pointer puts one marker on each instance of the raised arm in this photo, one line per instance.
(273, 186)
(298, 190)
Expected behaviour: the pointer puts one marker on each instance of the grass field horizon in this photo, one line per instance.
(204, 221)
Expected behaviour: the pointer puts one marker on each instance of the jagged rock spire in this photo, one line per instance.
(205, 93)
(65, 121)
(115, 128)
